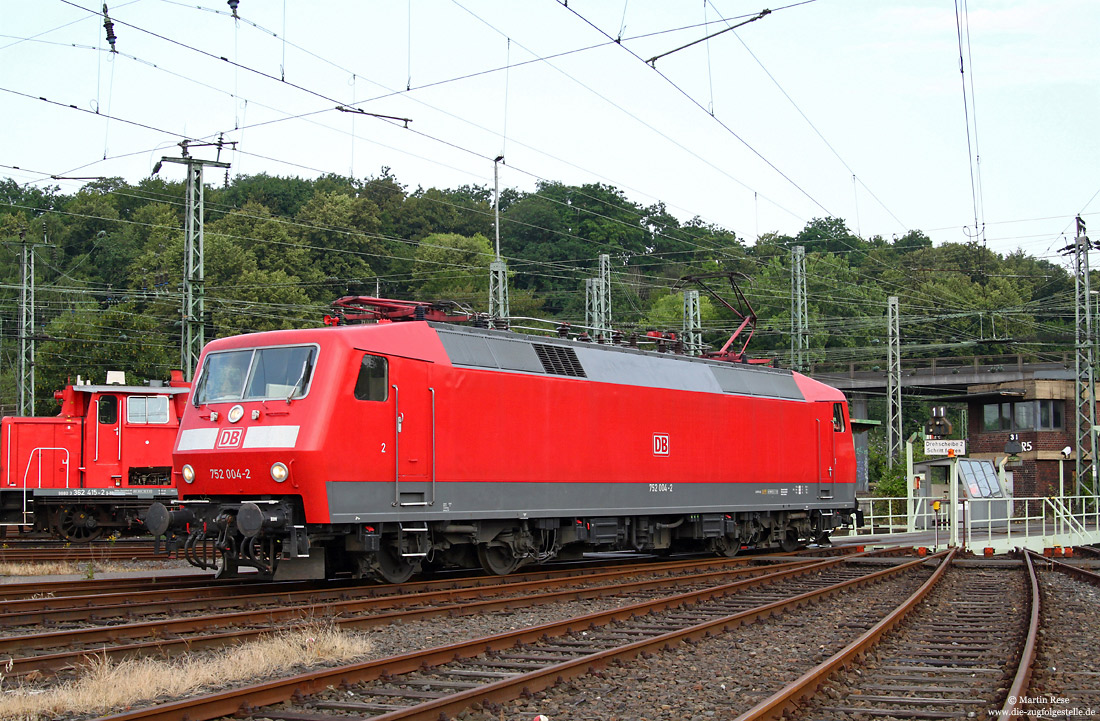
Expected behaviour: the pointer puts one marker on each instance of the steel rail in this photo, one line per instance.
(127, 605)
(159, 637)
(248, 699)
(776, 705)
(57, 589)
(83, 553)
(1022, 680)
(1081, 574)
(787, 699)
(44, 596)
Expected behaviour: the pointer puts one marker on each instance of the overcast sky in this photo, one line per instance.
(850, 108)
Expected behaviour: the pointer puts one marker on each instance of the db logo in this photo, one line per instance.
(230, 438)
(660, 444)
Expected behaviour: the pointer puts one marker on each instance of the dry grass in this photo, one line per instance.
(41, 568)
(109, 686)
(59, 568)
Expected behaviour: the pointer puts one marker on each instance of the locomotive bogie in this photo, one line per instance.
(389, 449)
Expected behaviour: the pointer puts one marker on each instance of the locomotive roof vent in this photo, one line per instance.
(559, 360)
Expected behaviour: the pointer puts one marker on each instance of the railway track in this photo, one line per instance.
(967, 647)
(1066, 680)
(643, 617)
(175, 620)
(966, 650)
(19, 550)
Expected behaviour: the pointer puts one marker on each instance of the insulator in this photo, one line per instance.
(110, 28)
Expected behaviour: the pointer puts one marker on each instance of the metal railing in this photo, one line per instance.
(995, 523)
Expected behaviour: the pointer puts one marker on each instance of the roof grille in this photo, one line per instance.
(559, 360)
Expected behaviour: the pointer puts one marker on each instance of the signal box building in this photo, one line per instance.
(1040, 414)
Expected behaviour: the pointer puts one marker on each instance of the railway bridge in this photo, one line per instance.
(940, 376)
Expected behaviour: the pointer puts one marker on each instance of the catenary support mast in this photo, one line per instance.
(1085, 416)
(799, 320)
(894, 438)
(192, 335)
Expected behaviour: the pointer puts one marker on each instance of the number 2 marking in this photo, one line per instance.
(383, 447)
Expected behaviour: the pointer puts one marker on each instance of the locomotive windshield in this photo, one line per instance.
(255, 374)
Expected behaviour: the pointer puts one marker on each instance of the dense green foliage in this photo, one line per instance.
(279, 250)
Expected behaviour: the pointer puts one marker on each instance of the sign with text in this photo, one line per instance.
(941, 448)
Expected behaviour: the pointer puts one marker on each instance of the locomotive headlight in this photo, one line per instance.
(188, 473)
(279, 472)
(235, 413)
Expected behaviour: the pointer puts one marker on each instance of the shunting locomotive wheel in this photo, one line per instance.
(77, 523)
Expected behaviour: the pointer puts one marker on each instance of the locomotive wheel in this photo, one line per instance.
(727, 546)
(388, 566)
(78, 525)
(790, 541)
(497, 560)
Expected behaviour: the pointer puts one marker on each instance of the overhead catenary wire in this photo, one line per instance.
(307, 113)
(729, 130)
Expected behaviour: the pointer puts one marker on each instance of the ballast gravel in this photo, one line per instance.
(1066, 679)
(718, 677)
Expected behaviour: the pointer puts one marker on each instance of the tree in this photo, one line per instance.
(453, 267)
(284, 197)
(92, 339)
(336, 249)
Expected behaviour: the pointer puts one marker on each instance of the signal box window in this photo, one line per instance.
(108, 410)
(147, 409)
(373, 381)
(838, 417)
(1050, 415)
(1040, 415)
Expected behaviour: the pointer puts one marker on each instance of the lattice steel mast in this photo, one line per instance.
(498, 269)
(800, 341)
(597, 305)
(192, 335)
(693, 323)
(26, 323)
(1085, 381)
(894, 439)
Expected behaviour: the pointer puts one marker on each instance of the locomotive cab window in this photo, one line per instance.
(256, 374)
(838, 417)
(147, 409)
(373, 381)
(108, 410)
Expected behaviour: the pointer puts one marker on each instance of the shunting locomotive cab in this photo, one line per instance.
(96, 466)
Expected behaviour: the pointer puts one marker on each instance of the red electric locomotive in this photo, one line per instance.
(383, 449)
(96, 466)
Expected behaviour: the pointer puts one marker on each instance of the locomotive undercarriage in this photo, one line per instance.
(77, 521)
(262, 535)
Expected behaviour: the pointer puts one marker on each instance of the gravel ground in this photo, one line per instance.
(718, 677)
(701, 682)
(1066, 675)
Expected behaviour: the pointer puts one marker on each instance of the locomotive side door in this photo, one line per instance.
(105, 442)
(826, 449)
(413, 432)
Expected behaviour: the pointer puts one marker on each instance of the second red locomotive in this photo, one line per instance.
(97, 465)
(383, 449)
